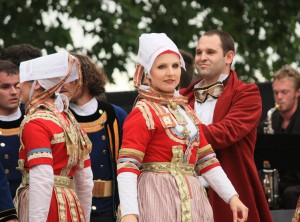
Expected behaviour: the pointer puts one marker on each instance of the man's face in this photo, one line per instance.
(285, 94)
(69, 89)
(9, 93)
(210, 60)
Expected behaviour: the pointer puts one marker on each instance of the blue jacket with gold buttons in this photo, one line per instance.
(9, 152)
(7, 209)
(104, 129)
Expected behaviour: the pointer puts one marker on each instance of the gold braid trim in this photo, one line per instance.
(58, 138)
(117, 139)
(178, 170)
(39, 114)
(96, 125)
(146, 114)
(203, 151)
(9, 132)
(160, 112)
(61, 204)
(129, 152)
(72, 207)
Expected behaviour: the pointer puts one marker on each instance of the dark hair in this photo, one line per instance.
(186, 75)
(8, 67)
(225, 38)
(20, 53)
(93, 77)
(290, 73)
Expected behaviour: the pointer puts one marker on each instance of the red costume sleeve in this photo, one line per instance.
(36, 139)
(242, 116)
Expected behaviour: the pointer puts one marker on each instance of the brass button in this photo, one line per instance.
(103, 137)
(101, 166)
(6, 156)
(104, 152)
(6, 171)
(2, 144)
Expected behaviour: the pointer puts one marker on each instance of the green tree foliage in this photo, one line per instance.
(264, 31)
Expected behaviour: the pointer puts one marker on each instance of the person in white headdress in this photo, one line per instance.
(53, 146)
(164, 149)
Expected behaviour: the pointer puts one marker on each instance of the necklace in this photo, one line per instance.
(173, 109)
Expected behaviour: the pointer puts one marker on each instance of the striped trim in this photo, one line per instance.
(138, 74)
(39, 155)
(137, 163)
(39, 150)
(203, 151)
(126, 170)
(209, 167)
(129, 152)
(202, 160)
(207, 163)
(127, 165)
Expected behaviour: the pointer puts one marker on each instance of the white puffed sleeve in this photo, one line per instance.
(220, 183)
(41, 179)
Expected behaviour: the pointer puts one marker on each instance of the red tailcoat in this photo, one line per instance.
(232, 134)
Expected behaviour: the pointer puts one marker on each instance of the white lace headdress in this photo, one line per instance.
(50, 71)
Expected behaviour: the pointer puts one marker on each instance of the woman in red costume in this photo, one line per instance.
(296, 217)
(53, 146)
(164, 149)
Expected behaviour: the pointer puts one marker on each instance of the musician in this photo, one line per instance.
(286, 88)
(284, 118)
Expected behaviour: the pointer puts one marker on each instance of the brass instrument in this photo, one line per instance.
(271, 185)
(268, 129)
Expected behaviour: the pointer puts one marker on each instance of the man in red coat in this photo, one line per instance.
(230, 111)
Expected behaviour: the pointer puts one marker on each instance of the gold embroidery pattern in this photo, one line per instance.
(159, 110)
(146, 114)
(58, 138)
(39, 155)
(96, 125)
(72, 206)
(178, 170)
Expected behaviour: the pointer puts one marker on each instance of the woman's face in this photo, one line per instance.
(25, 90)
(165, 72)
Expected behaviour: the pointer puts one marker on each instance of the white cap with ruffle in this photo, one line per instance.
(49, 71)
